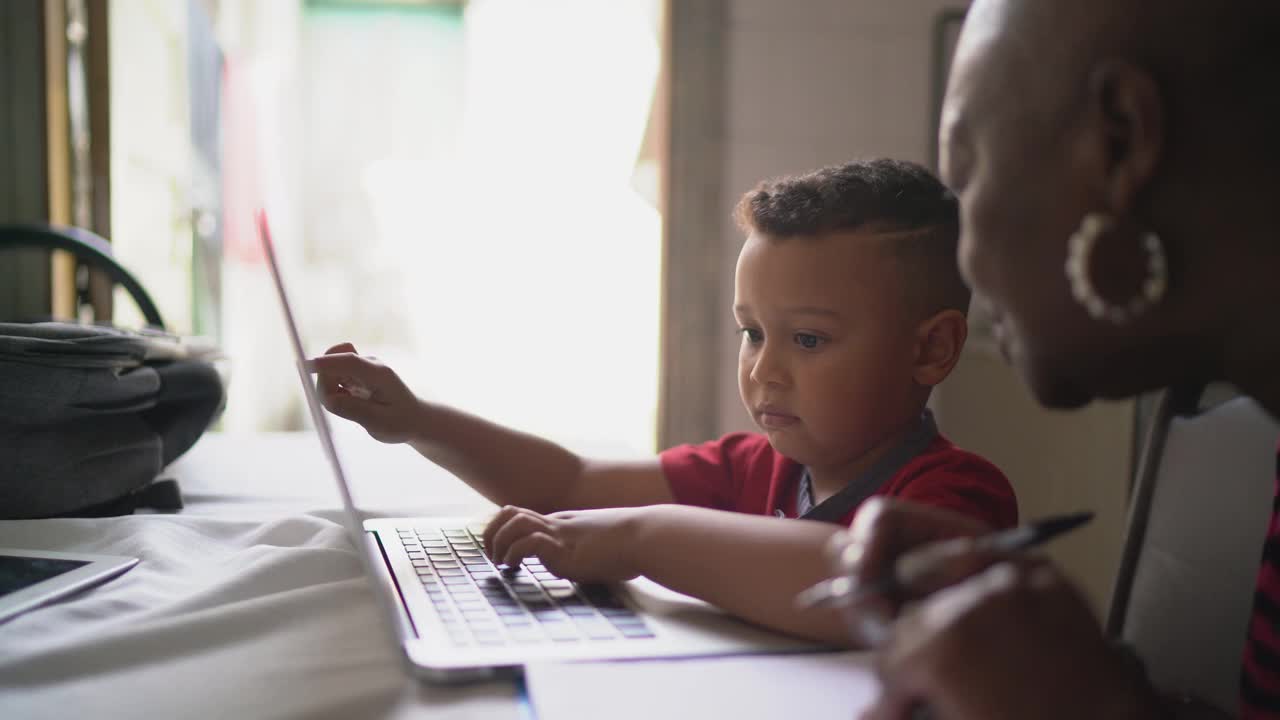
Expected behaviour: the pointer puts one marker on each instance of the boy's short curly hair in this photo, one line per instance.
(901, 202)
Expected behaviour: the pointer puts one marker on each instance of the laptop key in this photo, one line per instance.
(596, 629)
(525, 635)
(633, 632)
(490, 638)
(561, 632)
(560, 594)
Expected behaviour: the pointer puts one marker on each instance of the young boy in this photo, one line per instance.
(851, 309)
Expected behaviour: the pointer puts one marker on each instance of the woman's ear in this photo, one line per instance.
(1128, 118)
(939, 341)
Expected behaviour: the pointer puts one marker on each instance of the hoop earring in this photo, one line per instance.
(1080, 249)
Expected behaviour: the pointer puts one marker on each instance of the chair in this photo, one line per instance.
(1193, 543)
(87, 247)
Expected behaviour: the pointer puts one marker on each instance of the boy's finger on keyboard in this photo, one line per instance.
(522, 523)
(495, 524)
(538, 544)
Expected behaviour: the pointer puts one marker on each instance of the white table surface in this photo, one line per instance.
(250, 603)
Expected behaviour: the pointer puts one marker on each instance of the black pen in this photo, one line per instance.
(931, 558)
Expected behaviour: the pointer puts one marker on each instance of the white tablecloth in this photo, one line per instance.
(248, 604)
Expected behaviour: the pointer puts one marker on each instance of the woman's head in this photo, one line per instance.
(1154, 119)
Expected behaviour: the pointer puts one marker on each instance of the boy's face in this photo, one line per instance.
(825, 364)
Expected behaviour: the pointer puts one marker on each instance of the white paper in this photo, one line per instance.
(813, 686)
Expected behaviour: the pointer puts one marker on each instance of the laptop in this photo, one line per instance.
(456, 617)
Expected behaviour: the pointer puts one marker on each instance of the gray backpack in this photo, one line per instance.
(91, 415)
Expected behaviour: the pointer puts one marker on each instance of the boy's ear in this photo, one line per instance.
(939, 341)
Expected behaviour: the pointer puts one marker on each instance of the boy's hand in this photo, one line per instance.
(581, 545)
(366, 392)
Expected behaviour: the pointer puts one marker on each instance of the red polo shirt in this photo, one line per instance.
(743, 473)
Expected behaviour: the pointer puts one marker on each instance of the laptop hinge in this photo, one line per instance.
(383, 570)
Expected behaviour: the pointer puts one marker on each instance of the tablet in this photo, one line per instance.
(31, 578)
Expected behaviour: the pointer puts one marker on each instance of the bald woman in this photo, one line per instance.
(1118, 168)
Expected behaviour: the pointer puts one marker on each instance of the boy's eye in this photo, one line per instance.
(808, 341)
(752, 335)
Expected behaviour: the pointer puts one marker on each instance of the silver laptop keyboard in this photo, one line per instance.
(480, 604)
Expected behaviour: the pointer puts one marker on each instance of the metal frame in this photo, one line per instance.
(1171, 403)
(692, 88)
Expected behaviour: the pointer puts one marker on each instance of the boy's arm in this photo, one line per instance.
(749, 565)
(515, 468)
(506, 466)
(752, 566)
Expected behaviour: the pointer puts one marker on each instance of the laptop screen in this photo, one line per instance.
(352, 517)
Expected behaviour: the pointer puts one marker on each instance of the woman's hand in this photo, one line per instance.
(883, 531)
(1016, 640)
(364, 391)
(989, 637)
(581, 545)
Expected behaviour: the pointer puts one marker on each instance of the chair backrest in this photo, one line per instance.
(1193, 544)
(88, 248)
